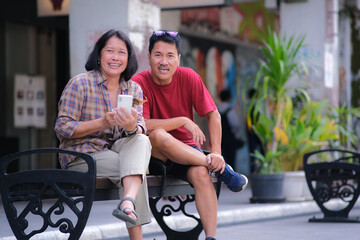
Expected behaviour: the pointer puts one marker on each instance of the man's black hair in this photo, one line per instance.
(165, 38)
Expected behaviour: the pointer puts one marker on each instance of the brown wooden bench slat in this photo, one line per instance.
(104, 183)
(152, 181)
(106, 190)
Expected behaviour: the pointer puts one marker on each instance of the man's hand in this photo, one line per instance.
(216, 162)
(195, 132)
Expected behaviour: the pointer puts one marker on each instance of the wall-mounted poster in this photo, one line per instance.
(29, 101)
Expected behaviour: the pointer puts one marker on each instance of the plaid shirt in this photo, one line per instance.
(86, 97)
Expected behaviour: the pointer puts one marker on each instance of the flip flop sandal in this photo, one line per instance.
(120, 214)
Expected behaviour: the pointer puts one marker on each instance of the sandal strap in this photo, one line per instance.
(132, 210)
(127, 199)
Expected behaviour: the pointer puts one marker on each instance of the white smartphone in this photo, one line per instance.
(125, 101)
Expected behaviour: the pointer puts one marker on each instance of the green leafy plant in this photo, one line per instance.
(271, 105)
(309, 129)
(343, 117)
(286, 131)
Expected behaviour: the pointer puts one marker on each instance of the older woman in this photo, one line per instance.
(90, 121)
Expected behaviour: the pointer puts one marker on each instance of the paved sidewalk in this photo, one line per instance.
(233, 208)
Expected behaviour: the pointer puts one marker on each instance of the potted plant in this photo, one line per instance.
(268, 108)
(309, 128)
(289, 127)
(271, 113)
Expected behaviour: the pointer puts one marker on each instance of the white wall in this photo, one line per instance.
(143, 18)
(89, 19)
(318, 20)
(171, 20)
(307, 18)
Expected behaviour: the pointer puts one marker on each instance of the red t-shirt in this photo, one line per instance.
(185, 92)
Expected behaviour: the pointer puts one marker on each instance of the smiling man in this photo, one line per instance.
(173, 92)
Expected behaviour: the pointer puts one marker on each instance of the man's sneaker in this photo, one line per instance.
(236, 182)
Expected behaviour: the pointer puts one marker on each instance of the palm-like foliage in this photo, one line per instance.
(280, 63)
(309, 129)
(343, 117)
(286, 132)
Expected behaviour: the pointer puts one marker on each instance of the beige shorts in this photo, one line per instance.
(127, 156)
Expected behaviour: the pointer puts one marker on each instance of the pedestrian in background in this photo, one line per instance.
(231, 139)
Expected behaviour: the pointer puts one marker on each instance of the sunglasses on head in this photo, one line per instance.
(160, 33)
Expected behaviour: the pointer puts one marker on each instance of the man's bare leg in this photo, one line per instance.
(205, 198)
(165, 146)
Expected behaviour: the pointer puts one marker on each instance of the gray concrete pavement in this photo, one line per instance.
(289, 228)
(234, 210)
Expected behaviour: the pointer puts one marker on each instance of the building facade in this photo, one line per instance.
(220, 42)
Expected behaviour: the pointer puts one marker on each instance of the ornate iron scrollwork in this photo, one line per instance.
(334, 175)
(169, 209)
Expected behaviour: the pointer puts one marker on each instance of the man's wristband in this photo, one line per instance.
(132, 132)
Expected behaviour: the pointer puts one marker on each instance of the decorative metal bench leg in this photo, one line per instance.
(344, 190)
(167, 210)
(333, 174)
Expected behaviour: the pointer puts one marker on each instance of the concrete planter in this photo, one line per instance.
(295, 187)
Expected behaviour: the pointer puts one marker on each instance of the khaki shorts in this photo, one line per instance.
(127, 156)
